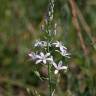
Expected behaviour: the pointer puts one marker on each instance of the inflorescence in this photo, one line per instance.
(46, 48)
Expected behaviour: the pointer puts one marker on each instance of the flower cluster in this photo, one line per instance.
(39, 43)
(45, 47)
(46, 57)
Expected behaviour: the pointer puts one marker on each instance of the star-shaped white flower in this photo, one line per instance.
(32, 55)
(59, 45)
(59, 67)
(64, 53)
(43, 58)
(63, 49)
(39, 43)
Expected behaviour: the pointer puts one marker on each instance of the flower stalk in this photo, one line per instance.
(46, 47)
(49, 78)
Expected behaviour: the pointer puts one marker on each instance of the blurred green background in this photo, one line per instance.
(20, 23)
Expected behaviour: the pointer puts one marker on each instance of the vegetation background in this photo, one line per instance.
(20, 24)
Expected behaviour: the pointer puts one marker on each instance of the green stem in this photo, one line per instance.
(49, 78)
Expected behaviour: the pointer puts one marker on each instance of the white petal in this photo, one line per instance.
(42, 54)
(54, 43)
(50, 59)
(30, 54)
(48, 54)
(67, 56)
(55, 65)
(37, 56)
(63, 67)
(57, 45)
(38, 61)
(63, 49)
(35, 44)
(57, 51)
(44, 61)
(56, 72)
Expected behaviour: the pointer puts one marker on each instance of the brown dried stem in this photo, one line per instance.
(76, 25)
(84, 24)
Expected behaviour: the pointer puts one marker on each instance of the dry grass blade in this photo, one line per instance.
(76, 25)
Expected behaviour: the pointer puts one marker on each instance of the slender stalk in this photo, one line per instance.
(49, 25)
(49, 75)
(49, 78)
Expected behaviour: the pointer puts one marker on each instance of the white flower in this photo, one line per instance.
(59, 45)
(32, 55)
(64, 53)
(43, 58)
(59, 67)
(39, 43)
(63, 49)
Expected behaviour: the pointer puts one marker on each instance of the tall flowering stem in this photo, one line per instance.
(45, 48)
(49, 25)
